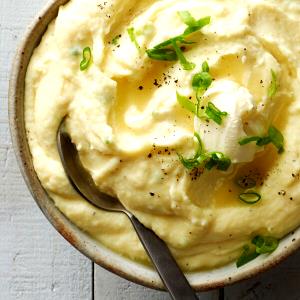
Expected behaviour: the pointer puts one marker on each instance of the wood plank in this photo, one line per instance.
(279, 283)
(110, 286)
(35, 261)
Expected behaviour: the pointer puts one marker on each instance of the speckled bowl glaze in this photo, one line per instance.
(130, 270)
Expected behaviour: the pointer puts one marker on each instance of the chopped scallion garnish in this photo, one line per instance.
(247, 256)
(191, 22)
(202, 81)
(274, 86)
(162, 54)
(263, 141)
(168, 42)
(184, 62)
(205, 67)
(250, 197)
(204, 159)
(214, 113)
(218, 160)
(248, 140)
(186, 104)
(263, 245)
(187, 18)
(86, 58)
(198, 25)
(131, 33)
(196, 161)
(274, 136)
(173, 45)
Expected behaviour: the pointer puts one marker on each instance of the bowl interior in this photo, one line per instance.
(130, 270)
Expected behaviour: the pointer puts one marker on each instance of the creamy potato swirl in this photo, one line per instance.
(124, 117)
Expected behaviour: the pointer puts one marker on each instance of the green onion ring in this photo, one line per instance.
(86, 58)
(250, 197)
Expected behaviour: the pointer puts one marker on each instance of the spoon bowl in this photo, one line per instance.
(80, 179)
(166, 266)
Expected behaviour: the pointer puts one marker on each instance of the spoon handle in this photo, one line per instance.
(165, 264)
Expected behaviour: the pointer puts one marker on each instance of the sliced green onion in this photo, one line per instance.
(219, 160)
(224, 164)
(260, 141)
(168, 42)
(193, 26)
(248, 140)
(274, 86)
(247, 256)
(186, 103)
(196, 161)
(198, 25)
(192, 23)
(210, 164)
(207, 160)
(199, 143)
(214, 113)
(184, 62)
(86, 58)
(263, 141)
(187, 18)
(250, 197)
(188, 163)
(131, 33)
(200, 113)
(202, 81)
(265, 244)
(162, 54)
(276, 138)
(205, 67)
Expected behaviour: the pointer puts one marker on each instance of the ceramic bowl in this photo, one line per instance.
(130, 270)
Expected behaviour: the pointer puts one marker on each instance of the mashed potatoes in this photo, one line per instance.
(125, 118)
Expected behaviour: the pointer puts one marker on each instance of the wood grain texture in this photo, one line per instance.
(275, 284)
(110, 286)
(35, 262)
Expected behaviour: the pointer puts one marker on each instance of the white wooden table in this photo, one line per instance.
(36, 262)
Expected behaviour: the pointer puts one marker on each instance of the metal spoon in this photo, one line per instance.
(166, 266)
